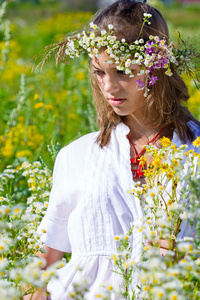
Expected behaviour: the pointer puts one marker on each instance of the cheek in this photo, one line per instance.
(100, 83)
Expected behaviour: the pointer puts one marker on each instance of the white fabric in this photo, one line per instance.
(89, 205)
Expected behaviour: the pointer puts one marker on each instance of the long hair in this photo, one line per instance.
(163, 105)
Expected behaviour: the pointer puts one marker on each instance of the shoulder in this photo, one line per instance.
(80, 147)
(87, 145)
(195, 128)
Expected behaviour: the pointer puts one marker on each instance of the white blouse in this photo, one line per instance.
(90, 204)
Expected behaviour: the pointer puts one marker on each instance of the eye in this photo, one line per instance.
(98, 72)
(121, 72)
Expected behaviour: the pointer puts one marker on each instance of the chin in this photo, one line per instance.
(121, 113)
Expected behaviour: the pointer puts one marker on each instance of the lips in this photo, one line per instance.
(116, 101)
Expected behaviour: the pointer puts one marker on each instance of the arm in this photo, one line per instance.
(51, 256)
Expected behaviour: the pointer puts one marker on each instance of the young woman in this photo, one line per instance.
(138, 94)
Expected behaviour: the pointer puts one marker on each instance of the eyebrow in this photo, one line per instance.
(98, 67)
(95, 67)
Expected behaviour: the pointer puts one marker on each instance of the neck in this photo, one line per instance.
(139, 127)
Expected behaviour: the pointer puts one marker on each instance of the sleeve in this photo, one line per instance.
(196, 130)
(55, 222)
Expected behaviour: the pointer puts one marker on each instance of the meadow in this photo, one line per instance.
(40, 106)
(43, 110)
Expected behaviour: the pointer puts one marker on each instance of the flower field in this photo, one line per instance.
(44, 110)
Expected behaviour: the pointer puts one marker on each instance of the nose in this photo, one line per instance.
(111, 84)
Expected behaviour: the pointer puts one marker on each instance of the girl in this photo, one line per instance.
(138, 94)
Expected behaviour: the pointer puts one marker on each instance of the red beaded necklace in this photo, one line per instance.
(138, 173)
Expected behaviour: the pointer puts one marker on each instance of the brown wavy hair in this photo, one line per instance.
(164, 103)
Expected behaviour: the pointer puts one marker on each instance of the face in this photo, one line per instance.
(120, 90)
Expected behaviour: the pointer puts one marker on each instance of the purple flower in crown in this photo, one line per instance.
(152, 80)
(151, 69)
(163, 62)
(149, 51)
(140, 83)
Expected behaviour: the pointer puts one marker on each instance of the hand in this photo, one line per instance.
(39, 295)
(51, 256)
(165, 245)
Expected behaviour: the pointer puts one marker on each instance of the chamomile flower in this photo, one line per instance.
(110, 26)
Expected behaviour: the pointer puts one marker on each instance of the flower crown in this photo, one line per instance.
(151, 55)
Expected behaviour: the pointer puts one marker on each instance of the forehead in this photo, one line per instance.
(102, 62)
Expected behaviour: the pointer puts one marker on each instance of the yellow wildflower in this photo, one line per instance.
(24, 153)
(114, 257)
(72, 295)
(152, 194)
(156, 162)
(61, 264)
(48, 106)
(39, 105)
(175, 161)
(160, 294)
(36, 96)
(21, 119)
(80, 75)
(190, 247)
(40, 263)
(126, 264)
(196, 143)
(155, 281)
(142, 160)
(170, 175)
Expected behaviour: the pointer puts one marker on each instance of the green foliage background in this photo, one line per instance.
(55, 103)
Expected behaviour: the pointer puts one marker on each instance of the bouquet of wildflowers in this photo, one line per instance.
(171, 203)
(165, 196)
(170, 200)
